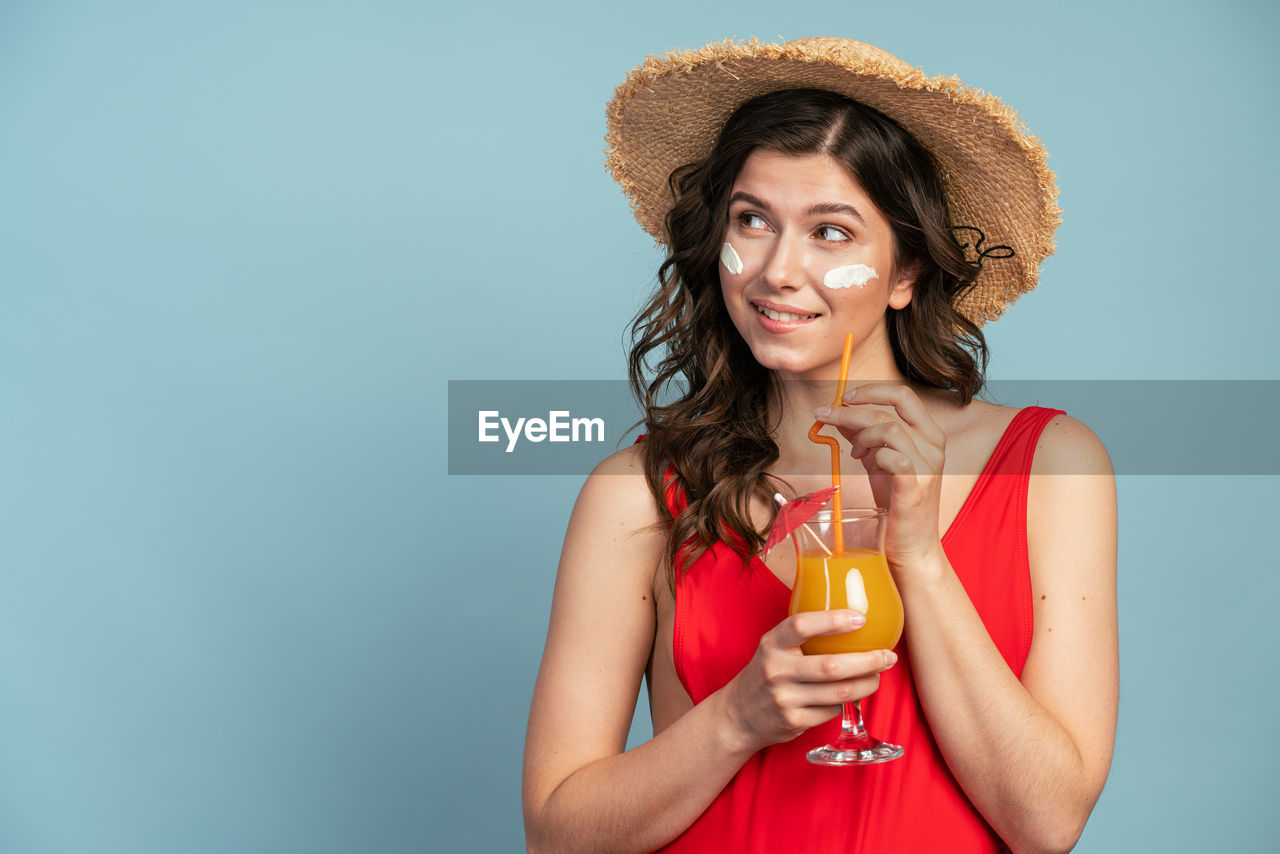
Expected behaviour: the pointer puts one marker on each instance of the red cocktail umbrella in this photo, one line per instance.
(795, 513)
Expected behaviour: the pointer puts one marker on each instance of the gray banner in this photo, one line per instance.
(536, 426)
(1199, 427)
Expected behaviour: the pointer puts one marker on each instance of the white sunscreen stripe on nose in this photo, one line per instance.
(845, 277)
(855, 591)
(729, 257)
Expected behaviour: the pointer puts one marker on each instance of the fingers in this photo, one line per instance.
(847, 417)
(906, 407)
(905, 402)
(883, 445)
(788, 635)
(826, 694)
(810, 689)
(811, 704)
(884, 441)
(807, 690)
(782, 692)
(890, 434)
(795, 630)
(844, 666)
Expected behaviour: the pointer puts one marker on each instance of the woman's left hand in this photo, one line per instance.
(903, 451)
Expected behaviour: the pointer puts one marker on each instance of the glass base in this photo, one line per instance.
(867, 750)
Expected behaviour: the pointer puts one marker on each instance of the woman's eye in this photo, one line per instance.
(751, 220)
(832, 234)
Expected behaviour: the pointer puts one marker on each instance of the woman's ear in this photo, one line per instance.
(904, 284)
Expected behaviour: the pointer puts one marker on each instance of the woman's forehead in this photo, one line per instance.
(817, 171)
(799, 181)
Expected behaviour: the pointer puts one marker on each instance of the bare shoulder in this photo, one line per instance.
(613, 536)
(1072, 484)
(990, 420)
(628, 461)
(973, 430)
(964, 420)
(616, 493)
(1071, 508)
(1068, 446)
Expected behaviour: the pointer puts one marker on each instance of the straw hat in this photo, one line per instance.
(669, 111)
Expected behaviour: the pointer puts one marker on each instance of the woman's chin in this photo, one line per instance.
(797, 368)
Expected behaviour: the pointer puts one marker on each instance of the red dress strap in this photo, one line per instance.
(991, 530)
(675, 495)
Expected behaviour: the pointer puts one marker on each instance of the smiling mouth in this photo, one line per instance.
(782, 315)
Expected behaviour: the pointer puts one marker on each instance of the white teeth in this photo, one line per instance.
(782, 315)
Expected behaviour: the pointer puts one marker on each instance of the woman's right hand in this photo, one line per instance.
(782, 692)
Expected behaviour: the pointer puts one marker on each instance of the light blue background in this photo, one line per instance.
(243, 247)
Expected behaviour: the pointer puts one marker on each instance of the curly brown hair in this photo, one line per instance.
(713, 431)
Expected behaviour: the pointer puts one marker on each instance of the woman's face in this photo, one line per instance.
(816, 257)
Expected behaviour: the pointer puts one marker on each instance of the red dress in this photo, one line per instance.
(778, 801)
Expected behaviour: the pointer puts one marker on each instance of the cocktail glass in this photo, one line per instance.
(854, 576)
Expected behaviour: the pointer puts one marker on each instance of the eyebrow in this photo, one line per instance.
(820, 208)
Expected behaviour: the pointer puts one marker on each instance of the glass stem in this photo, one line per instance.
(852, 726)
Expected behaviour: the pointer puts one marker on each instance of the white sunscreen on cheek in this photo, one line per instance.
(847, 277)
(729, 258)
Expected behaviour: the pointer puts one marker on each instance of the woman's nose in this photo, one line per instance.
(784, 268)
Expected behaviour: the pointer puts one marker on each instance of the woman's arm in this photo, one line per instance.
(581, 791)
(1032, 755)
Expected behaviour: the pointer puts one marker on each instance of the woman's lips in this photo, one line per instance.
(775, 319)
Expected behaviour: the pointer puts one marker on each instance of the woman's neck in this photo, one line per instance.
(799, 397)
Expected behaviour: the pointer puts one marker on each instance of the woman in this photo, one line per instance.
(819, 188)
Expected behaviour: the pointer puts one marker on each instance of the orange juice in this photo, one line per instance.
(854, 578)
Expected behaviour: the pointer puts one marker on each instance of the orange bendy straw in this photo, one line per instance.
(816, 436)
